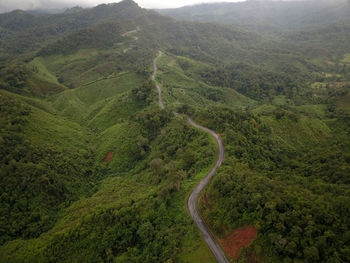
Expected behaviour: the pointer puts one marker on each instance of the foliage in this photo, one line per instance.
(24, 79)
(78, 87)
(265, 15)
(297, 198)
(35, 180)
(27, 33)
(255, 82)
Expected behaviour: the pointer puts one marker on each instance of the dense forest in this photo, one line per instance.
(266, 15)
(297, 197)
(91, 170)
(35, 179)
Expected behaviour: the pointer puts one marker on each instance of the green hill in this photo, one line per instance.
(93, 171)
(28, 32)
(276, 15)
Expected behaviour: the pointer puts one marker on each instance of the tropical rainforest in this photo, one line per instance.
(93, 170)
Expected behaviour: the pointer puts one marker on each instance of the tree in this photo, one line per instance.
(157, 166)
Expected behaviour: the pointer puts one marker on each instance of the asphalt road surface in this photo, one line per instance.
(160, 100)
(192, 200)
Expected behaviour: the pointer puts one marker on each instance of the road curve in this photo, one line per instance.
(192, 200)
(131, 31)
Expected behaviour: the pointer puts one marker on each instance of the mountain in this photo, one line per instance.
(55, 10)
(275, 14)
(28, 32)
(93, 170)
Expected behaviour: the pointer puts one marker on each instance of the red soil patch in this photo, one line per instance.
(108, 157)
(238, 239)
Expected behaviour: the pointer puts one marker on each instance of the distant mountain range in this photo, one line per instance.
(93, 170)
(279, 14)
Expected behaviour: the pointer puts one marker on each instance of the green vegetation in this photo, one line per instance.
(37, 176)
(74, 88)
(182, 84)
(288, 175)
(26, 79)
(156, 162)
(346, 58)
(267, 17)
(139, 206)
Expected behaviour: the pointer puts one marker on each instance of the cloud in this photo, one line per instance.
(8, 5)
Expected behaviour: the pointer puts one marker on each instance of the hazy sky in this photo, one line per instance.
(8, 5)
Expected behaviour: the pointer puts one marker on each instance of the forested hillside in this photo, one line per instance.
(27, 32)
(275, 14)
(93, 171)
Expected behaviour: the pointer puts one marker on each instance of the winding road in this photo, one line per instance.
(131, 32)
(160, 100)
(192, 200)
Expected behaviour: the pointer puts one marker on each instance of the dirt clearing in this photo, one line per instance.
(108, 157)
(238, 239)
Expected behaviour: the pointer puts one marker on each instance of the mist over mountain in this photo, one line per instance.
(280, 14)
(53, 6)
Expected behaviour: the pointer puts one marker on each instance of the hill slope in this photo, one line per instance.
(276, 14)
(28, 32)
(92, 170)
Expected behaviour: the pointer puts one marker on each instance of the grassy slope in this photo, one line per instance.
(98, 111)
(88, 101)
(181, 84)
(47, 128)
(103, 106)
(44, 145)
(298, 128)
(39, 64)
(113, 193)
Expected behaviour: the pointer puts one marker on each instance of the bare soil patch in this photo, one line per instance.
(108, 157)
(237, 240)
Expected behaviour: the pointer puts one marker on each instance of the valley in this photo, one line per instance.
(192, 200)
(107, 144)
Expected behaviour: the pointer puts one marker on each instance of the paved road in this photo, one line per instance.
(160, 100)
(192, 200)
(131, 32)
